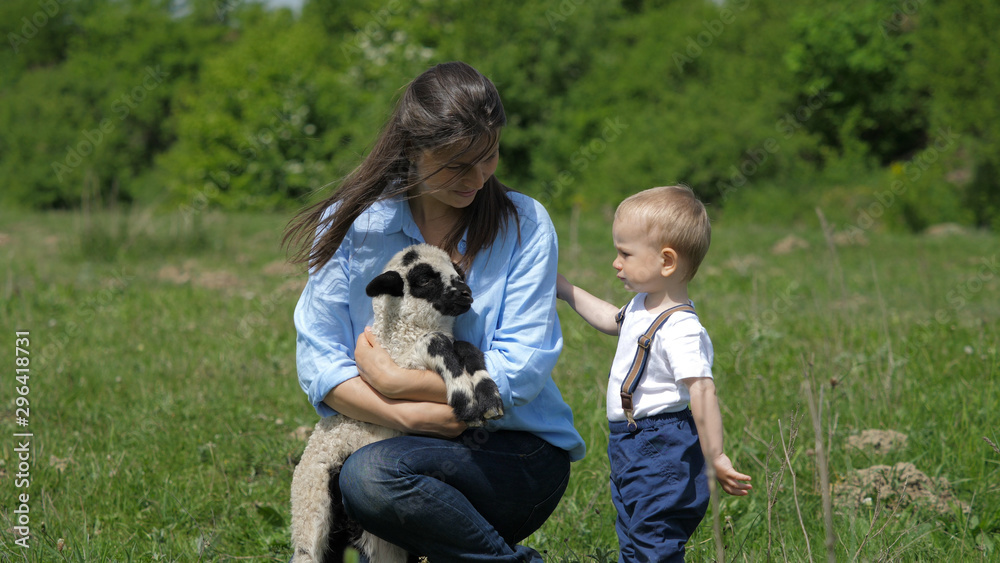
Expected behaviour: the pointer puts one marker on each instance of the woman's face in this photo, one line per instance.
(457, 179)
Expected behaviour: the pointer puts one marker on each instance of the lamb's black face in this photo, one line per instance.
(450, 296)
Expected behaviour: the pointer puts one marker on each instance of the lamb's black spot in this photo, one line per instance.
(441, 347)
(425, 283)
(487, 391)
(449, 297)
(459, 402)
(472, 359)
(410, 257)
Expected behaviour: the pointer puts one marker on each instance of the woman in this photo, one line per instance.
(445, 491)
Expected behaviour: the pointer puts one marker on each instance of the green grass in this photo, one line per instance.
(163, 391)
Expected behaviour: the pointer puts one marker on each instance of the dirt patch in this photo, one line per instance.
(187, 273)
(789, 244)
(878, 441)
(902, 483)
(59, 464)
(217, 280)
(944, 230)
(850, 237)
(173, 274)
(743, 264)
(283, 269)
(292, 286)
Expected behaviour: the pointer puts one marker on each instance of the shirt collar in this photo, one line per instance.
(393, 215)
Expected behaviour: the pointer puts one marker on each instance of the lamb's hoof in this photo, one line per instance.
(490, 405)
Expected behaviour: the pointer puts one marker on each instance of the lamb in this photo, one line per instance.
(415, 301)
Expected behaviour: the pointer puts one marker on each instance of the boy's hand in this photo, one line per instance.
(729, 478)
(598, 313)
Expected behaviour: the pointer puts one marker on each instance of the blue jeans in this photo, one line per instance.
(471, 498)
(658, 486)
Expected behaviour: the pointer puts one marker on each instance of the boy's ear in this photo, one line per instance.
(386, 283)
(671, 262)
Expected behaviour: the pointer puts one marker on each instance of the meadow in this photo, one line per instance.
(166, 415)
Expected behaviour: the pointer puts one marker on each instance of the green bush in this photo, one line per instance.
(88, 127)
(957, 60)
(224, 103)
(858, 61)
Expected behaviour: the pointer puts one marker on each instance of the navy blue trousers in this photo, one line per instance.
(658, 486)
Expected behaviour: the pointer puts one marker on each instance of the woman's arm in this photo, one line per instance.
(324, 332)
(598, 312)
(330, 354)
(526, 340)
(356, 399)
(377, 369)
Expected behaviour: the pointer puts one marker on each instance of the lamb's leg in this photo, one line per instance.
(311, 511)
(472, 394)
(380, 551)
(485, 392)
(344, 532)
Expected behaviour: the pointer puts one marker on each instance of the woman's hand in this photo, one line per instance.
(378, 370)
(357, 399)
(430, 419)
(376, 366)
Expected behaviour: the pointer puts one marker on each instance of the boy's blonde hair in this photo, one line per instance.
(674, 217)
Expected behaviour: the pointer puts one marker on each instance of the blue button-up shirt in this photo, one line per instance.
(513, 317)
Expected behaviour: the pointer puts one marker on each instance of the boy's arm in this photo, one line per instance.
(598, 312)
(708, 419)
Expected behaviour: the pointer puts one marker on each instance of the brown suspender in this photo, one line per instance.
(641, 357)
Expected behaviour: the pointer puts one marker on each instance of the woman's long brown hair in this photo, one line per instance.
(449, 105)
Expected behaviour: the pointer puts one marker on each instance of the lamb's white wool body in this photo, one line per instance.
(415, 301)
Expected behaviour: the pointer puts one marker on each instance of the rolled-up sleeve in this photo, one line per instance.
(324, 350)
(527, 341)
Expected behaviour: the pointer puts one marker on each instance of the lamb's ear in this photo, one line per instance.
(386, 283)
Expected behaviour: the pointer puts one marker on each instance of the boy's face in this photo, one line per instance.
(640, 262)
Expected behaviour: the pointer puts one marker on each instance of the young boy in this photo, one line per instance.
(657, 446)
